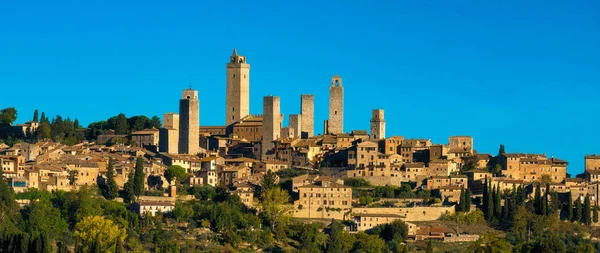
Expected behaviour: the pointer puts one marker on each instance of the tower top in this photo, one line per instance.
(235, 58)
(336, 81)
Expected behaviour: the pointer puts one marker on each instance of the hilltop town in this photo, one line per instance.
(361, 180)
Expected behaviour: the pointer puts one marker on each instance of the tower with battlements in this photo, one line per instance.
(189, 122)
(335, 123)
(271, 124)
(307, 111)
(377, 125)
(238, 89)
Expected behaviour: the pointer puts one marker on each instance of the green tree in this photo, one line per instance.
(429, 248)
(537, 199)
(44, 131)
(550, 242)
(9, 210)
(111, 190)
(73, 174)
(595, 218)
(578, 215)
(76, 124)
(43, 118)
(570, 206)
(155, 122)
(8, 116)
(129, 188)
(274, 206)
(268, 181)
(139, 177)
(35, 115)
(121, 126)
(98, 230)
(334, 242)
(368, 243)
(397, 230)
(587, 209)
(119, 246)
(176, 171)
(501, 150)
(497, 202)
(41, 219)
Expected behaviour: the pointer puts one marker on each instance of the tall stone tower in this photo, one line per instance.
(295, 122)
(377, 125)
(307, 110)
(238, 88)
(271, 124)
(168, 140)
(189, 121)
(336, 106)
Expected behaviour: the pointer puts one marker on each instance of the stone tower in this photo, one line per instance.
(295, 122)
(377, 125)
(307, 110)
(336, 106)
(168, 140)
(238, 88)
(271, 124)
(189, 121)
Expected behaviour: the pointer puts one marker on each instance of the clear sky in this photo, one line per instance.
(522, 73)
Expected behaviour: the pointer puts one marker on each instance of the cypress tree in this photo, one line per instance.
(468, 200)
(544, 208)
(595, 214)
(497, 202)
(485, 204)
(570, 207)
(537, 199)
(111, 189)
(490, 203)
(35, 115)
(578, 210)
(138, 180)
(461, 204)
(334, 242)
(586, 218)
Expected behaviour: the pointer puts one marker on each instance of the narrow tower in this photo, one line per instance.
(295, 122)
(271, 124)
(336, 106)
(238, 88)
(307, 110)
(168, 140)
(189, 121)
(377, 125)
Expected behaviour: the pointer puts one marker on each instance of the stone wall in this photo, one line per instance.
(419, 213)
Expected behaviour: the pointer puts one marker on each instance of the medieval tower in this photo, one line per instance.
(295, 122)
(271, 124)
(189, 121)
(168, 140)
(307, 110)
(377, 125)
(238, 88)
(335, 124)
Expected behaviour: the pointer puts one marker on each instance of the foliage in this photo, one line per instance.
(99, 231)
(139, 177)
(110, 190)
(368, 243)
(397, 230)
(356, 182)
(472, 218)
(43, 219)
(8, 116)
(274, 206)
(176, 171)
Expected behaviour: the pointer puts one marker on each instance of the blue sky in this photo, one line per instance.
(522, 73)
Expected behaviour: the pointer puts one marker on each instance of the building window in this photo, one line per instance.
(233, 75)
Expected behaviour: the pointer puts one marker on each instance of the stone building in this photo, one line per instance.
(307, 110)
(295, 122)
(147, 138)
(460, 144)
(271, 124)
(532, 167)
(377, 125)
(592, 162)
(249, 128)
(238, 88)
(189, 121)
(323, 200)
(168, 140)
(335, 123)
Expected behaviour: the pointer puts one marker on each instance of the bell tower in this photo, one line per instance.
(238, 88)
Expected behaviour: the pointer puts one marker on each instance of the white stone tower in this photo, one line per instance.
(238, 88)
(336, 106)
(271, 124)
(307, 110)
(377, 125)
(168, 140)
(189, 123)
